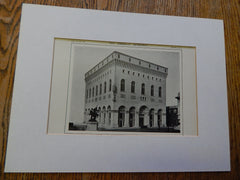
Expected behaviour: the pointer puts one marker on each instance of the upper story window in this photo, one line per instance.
(143, 89)
(152, 90)
(122, 85)
(96, 90)
(110, 85)
(100, 91)
(105, 87)
(93, 92)
(133, 87)
(160, 91)
(89, 93)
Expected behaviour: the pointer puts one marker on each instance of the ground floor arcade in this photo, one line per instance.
(130, 117)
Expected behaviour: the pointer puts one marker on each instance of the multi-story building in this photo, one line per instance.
(128, 92)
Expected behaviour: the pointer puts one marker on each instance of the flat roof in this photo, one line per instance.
(140, 63)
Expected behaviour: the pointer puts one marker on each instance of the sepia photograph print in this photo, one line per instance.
(119, 87)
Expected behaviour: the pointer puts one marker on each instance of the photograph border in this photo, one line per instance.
(160, 47)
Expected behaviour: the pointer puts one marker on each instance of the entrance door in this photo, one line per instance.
(142, 115)
(121, 116)
(141, 120)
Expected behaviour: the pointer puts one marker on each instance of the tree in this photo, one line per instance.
(172, 118)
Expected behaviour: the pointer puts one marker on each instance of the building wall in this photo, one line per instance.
(102, 100)
(134, 105)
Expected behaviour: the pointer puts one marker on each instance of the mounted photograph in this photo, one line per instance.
(116, 87)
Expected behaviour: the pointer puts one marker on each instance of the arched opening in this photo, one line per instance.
(143, 111)
(159, 115)
(132, 117)
(109, 114)
(104, 114)
(121, 116)
(151, 117)
(99, 114)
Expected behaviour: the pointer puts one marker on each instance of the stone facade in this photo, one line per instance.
(128, 92)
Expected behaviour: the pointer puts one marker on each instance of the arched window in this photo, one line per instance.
(93, 92)
(110, 85)
(133, 87)
(96, 90)
(121, 116)
(105, 87)
(152, 90)
(143, 89)
(160, 91)
(122, 86)
(109, 115)
(89, 92)
(100, 91)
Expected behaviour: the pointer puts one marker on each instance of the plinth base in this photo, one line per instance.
(92, 126)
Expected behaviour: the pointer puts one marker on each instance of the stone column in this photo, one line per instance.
(111, 119)
(164, 123)
(146, 120)
(114, 122)
(155, 122)
(136, 120)
(126, 121)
